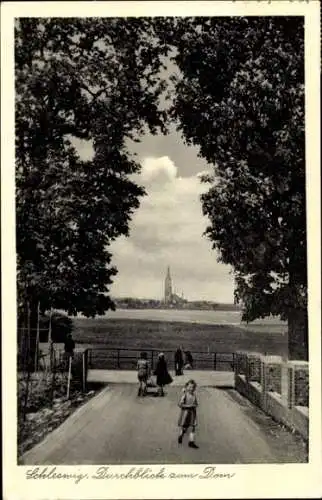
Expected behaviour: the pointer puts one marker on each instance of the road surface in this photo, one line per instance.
(117, 427)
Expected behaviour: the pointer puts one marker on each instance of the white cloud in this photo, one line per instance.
(167, 230)
(158, 171)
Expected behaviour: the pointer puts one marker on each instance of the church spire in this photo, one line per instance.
(168, 287)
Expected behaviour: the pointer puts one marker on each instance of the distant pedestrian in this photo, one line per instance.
(188, 415)
(143, 373)
(178, 361)
(163, 377)
(188, 361)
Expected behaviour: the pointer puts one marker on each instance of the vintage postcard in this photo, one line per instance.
(161, 248)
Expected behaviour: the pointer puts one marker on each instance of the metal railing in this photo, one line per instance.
(126, 359)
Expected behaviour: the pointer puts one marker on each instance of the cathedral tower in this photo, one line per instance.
(168, 288)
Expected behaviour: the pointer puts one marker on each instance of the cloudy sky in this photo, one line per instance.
(167, 228)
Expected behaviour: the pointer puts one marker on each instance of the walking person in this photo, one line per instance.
(188, 361)
(162, 374)
(143, 373)
(188, 415)
(178, 361)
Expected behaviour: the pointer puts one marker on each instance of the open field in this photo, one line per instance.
(216, 317)
(167, 335)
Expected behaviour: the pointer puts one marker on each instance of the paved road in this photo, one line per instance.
(205, 378)
(116, 427)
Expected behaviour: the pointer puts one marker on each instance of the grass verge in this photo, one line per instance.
(44, 414)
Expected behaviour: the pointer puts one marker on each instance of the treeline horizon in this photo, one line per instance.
(133, 302)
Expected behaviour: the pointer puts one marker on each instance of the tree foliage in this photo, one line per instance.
(60, 325)
(240, 98)
(95, 80)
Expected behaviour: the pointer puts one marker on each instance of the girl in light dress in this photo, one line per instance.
(188, 414)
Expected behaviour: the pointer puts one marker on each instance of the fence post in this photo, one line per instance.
(50, 339)
(28, 329)
(87, 367)
(118, 358)
(53, 374)
(26, 393)
(152, 354)
(84, 372)
(215, 360)
(69, 375)
(37, 337)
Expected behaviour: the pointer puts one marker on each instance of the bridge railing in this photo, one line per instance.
(126, 359)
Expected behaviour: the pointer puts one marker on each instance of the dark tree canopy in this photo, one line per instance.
(240, 98)
(95, 80)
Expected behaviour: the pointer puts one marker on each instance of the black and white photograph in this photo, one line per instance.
(162, 204)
